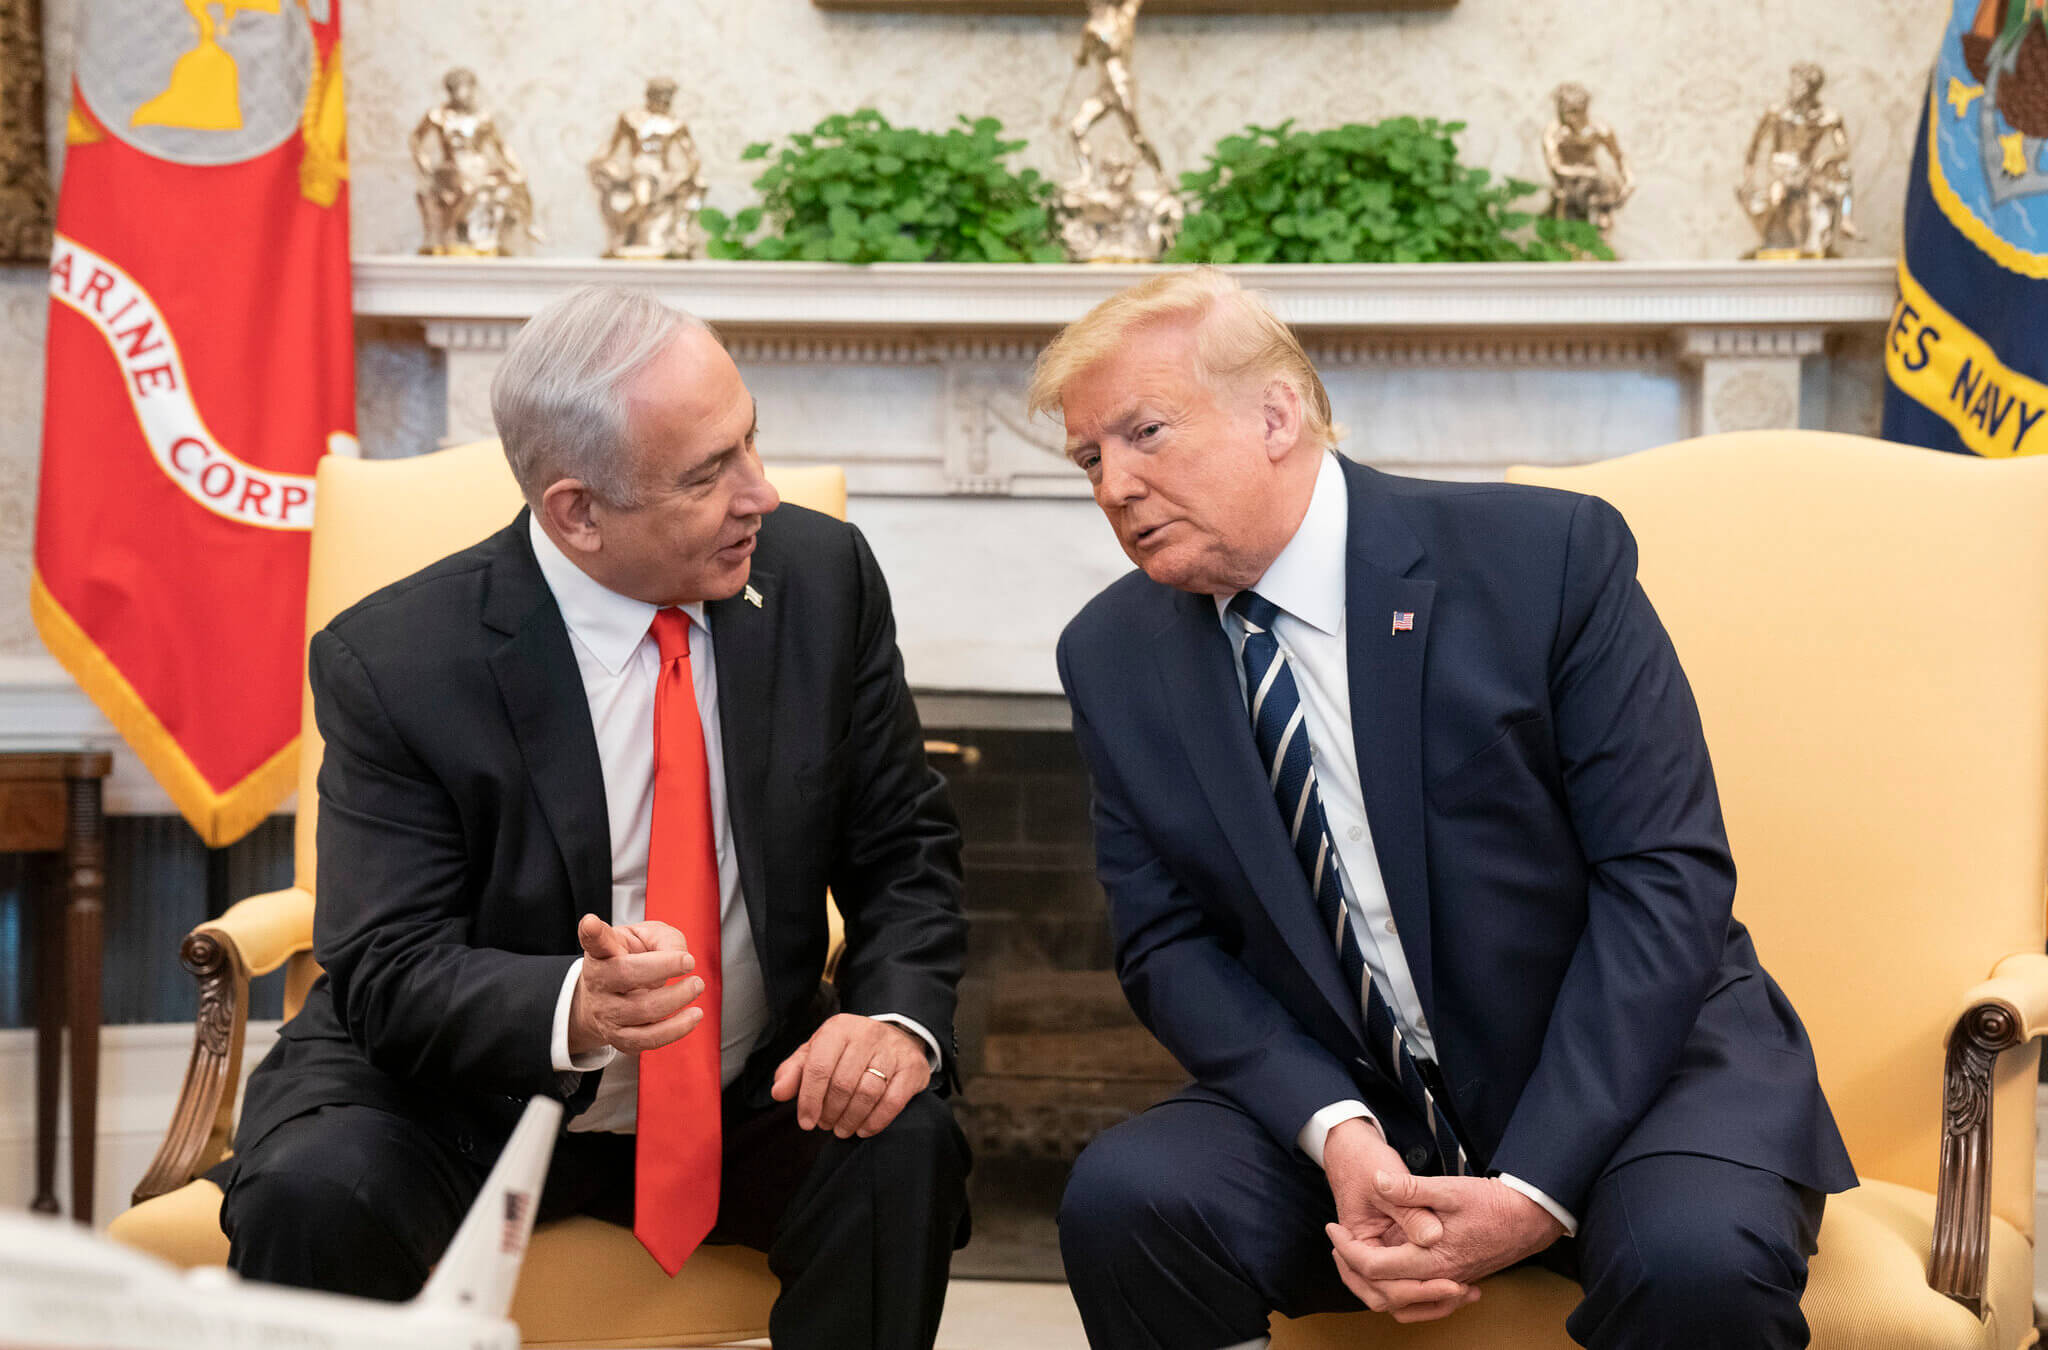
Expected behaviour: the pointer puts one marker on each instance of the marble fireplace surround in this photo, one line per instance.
(912, 377)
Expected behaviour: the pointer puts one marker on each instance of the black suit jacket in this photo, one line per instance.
(1546, 822)
(463, 829)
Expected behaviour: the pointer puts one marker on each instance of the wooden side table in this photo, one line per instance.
(50, 803)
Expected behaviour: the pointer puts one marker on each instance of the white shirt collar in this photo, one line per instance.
(1307, 579)
(609, 625)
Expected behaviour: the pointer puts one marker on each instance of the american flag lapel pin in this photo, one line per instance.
(1404, 622)
(753, 597)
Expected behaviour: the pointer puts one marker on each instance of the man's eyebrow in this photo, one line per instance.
(1122, 418)
(720, 456)
(707, 466)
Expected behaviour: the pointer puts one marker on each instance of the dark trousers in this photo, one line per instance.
(859, 1231)
(1185, 1228)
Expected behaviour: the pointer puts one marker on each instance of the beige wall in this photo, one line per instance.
(1681, 81)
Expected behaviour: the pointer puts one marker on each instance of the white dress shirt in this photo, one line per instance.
(621, 666)
(1307, 582)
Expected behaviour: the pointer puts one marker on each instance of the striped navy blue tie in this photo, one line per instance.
(1282, 738)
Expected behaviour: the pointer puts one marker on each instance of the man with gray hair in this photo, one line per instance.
(586, 785)
(1414, 861)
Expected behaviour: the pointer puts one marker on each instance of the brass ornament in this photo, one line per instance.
(1796, 183)
(649, 181)
(1105, 213)
(1581, 187)
(473, 196)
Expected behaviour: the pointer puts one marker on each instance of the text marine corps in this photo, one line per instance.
(146, 351)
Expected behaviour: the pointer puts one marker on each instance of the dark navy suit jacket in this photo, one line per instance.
(1545, 817)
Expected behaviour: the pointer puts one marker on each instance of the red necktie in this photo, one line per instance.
(676, 1159)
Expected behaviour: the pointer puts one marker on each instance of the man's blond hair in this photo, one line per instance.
(1237, 337)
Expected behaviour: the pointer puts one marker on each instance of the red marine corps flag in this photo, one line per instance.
(200, 362)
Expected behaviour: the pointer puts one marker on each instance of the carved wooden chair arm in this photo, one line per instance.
(253, 938)
(2000, 1014)
(267, 930)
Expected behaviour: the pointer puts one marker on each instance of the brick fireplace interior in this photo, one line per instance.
(1051, 1054)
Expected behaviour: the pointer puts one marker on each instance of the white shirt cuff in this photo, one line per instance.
(558, 1045)
(1557, 1211)
(931, 1042)
(1317, 1132)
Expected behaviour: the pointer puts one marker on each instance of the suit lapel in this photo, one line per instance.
(743, 636)
(1386, 657)
(1199, 683)
(543, 691)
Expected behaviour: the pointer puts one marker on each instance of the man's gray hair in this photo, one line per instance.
(558, 398)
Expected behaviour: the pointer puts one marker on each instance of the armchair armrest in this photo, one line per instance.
(266, 930)
(2019, 985)
(254, 937)
(1999, 1014)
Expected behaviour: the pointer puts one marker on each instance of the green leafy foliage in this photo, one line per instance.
(1391, 191)
(856, 190)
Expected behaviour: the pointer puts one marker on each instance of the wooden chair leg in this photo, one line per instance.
(84, 882)
(47, 914)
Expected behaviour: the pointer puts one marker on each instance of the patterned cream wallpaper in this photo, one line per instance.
(1681, 82)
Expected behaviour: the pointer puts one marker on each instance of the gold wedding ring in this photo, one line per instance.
(878, 1073)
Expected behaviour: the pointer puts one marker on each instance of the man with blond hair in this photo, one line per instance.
(1414, 861)
(586, 784)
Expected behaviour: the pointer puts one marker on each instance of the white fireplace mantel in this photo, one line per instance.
(1385, 297)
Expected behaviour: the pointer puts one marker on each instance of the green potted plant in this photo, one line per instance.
(1390, 191)
(855, 189)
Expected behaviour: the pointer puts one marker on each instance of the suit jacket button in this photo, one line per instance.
(1418, 1158)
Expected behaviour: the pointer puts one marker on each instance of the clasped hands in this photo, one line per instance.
(635, 991)
(1414, 1247)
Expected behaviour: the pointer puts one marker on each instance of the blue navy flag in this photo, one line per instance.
(1967, 354)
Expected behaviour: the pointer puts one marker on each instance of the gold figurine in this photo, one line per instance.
(1107, 219)
(473, 196)
(648, 183)
(1104, 216)
(1580, 187)
(1106, 42)
(1796, 184)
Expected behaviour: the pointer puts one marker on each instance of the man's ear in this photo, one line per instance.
(1280, 411)
(566, 509)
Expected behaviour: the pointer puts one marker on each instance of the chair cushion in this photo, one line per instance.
(1523, 1309)
(585, 1282)
(1867, 1291)
(181, 1226)
(590, 1283)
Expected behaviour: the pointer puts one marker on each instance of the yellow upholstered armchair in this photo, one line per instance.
(1866, 628)
(585, 1282)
